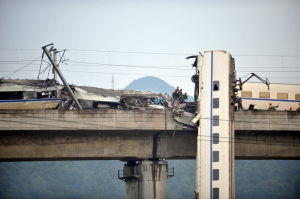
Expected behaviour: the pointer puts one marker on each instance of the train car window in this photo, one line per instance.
(215, 193)
(12, 95)
(297, 97)
(215, 120)
(86, 104)
(215, 138)
(246, 93)
(264, 94)
(215, 156)
(215, 174)
(282, 96)
(215, 102)
(29, 95)
(46, 94)
(39, 95)
(53, 94)
(216, 85)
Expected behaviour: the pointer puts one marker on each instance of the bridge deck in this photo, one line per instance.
(122, 134)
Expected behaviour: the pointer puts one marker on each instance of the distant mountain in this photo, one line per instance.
(151, 84)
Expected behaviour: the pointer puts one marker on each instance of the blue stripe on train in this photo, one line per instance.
(263, 99)
(31, 100)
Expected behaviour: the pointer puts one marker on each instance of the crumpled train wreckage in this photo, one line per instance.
(49, 94)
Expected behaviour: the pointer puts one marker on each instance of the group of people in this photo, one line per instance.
(177, 95)
(271, 107)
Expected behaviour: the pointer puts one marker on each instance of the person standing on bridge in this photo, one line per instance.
(175, 94)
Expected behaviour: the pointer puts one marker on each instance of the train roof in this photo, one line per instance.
(273, 83)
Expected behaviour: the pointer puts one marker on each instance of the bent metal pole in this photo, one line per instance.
(46, 51)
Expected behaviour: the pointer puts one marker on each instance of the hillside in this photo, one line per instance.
(151, 84)
(154, 84)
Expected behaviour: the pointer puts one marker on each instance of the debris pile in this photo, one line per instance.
(91, 97)
(143, 102)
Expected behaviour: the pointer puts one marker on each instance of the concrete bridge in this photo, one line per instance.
(138, 135)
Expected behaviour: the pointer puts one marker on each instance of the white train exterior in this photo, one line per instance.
(215, 149)
(49, 94)
(281, 96)
(28, 94)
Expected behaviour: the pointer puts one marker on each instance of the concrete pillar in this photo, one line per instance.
(131, 176)
(145, 179)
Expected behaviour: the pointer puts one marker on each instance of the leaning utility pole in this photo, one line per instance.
(54, 55)
(57, 70)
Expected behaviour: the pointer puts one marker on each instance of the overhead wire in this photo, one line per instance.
(152, 53)
(132, 66)
(26, 65)
(17, 62)
(129, 52)
(126, 74)
(182, 68)
(19, 49)
(270, 67)
(78, 62)
(277, 71)
(265, 55)
(134, 74)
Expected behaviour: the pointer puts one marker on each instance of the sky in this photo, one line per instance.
(128, 39)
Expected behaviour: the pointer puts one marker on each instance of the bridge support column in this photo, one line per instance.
(145, 179)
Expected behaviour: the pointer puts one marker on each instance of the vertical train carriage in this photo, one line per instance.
(277, 97)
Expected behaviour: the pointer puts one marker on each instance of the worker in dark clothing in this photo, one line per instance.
(180, 95)
(175, 94)
(298, 109)
(180, 92)
(185, 96)
(182, 98)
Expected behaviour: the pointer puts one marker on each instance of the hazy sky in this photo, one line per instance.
(163, 32)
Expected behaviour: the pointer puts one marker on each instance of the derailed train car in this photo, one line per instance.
(29, 94)
(49, 94)
(276, 97)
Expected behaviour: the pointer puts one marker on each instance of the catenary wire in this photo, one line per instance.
(152, 53)
(80, 63)
(84, 63)
(166, 67)
(133, 74)
(26, 65)
(154, 66)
